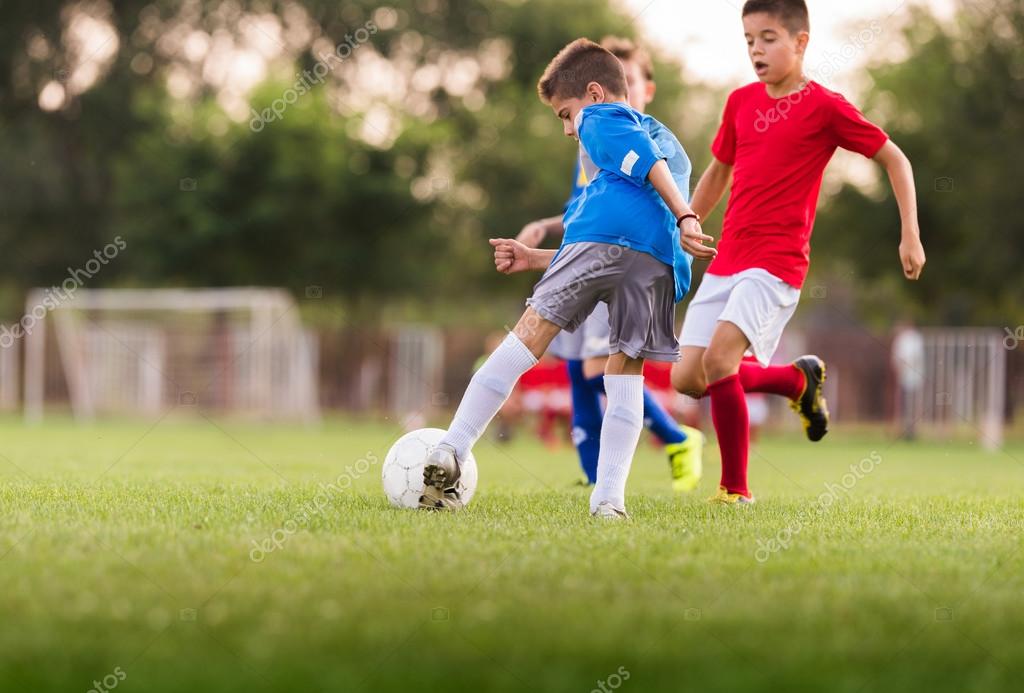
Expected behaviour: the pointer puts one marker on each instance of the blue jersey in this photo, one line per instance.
(612, 201)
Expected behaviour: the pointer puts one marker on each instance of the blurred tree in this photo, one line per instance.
(956, 107)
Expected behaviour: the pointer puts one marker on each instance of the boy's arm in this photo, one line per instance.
(691, 236)
(901, 176)
(711, 188)
(512, 256)
(534, 233)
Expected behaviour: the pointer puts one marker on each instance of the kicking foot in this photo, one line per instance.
(440, 480)
(686, 460)
(723, 497)
(811, 405)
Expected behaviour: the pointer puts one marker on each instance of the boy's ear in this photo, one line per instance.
(595, 91)
(802, 39)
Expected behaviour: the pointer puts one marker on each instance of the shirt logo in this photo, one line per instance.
(629, 162)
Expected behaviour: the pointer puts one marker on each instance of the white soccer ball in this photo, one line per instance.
(403, 468)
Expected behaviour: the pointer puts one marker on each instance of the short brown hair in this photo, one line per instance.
(792, 13)
(576, 66)
(624, 49)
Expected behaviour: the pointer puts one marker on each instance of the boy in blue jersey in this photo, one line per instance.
(586, 350)
(622, 238)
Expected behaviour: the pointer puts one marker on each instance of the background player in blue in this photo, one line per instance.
(586, 350)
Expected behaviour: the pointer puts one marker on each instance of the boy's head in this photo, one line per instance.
(777, 33)
(583, 73)
(639, 69)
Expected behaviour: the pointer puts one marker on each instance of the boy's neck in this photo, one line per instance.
(791, 84)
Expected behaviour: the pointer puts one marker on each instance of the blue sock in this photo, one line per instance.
(656, 419)
(586, 420)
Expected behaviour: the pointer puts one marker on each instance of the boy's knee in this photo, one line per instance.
(688, 380)
(718, 364)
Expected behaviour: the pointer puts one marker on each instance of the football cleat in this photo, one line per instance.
(686, 461)
(606, 511)
(441, 475)
(447, 499)
(723, 497)
(811, 405)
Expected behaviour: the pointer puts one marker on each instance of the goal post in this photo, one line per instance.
(239, 351)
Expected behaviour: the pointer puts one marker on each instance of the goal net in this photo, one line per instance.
(122, 352)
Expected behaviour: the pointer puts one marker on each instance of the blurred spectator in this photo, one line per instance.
(908, 363)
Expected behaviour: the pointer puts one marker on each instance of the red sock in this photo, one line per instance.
(786, 380)
(732, 424)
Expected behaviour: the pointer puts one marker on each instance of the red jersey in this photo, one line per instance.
(779, 149)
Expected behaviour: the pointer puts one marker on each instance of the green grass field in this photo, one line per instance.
(129, 548)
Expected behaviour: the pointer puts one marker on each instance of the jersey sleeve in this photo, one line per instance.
(724, 146)
(853, 131)
(618, 144)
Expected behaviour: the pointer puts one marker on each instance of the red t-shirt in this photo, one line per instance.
(779, 149)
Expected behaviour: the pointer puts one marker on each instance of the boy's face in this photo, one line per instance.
(567, 108)
(641, 89)
(774, 52)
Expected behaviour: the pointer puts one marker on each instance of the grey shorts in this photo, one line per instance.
(590, 341)
(639, 291)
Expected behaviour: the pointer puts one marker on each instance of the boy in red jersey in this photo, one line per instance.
(776, 137)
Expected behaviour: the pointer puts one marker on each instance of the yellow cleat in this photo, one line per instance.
(686, 460)
(723, 497)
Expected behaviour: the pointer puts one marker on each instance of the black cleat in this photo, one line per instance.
(811, 405)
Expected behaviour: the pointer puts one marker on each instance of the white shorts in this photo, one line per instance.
(590, 341)
(755, 300)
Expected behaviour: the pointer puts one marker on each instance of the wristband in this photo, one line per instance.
(680, 220)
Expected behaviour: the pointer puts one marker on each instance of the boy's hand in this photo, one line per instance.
(510, 256)
(532, 235)
(692, 238)
(912, 256)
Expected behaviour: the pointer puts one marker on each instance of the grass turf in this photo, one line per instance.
(130, 548)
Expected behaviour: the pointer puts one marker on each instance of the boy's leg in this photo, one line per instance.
(586, 420)
(620, 430)
(688, 375)
(800, 382)
(493, 382)
(728, 404)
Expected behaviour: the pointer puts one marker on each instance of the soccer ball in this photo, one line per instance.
(403, 469)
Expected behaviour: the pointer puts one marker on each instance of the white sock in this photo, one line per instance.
(487, 391)
(620, 433)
